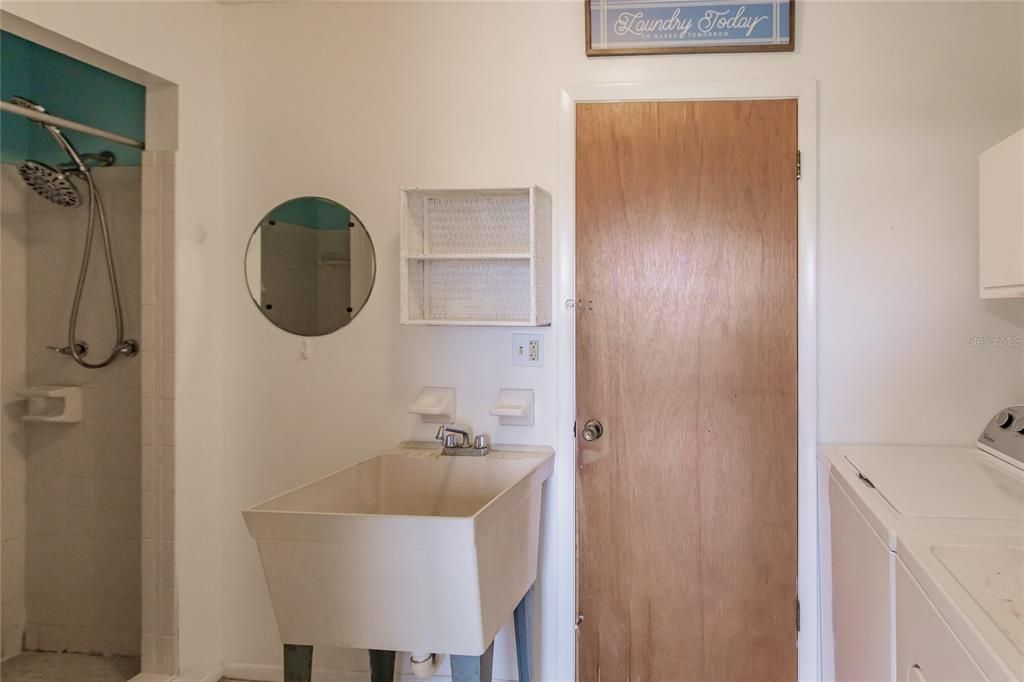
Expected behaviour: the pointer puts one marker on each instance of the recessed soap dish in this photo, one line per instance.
(514, 407)
(52, 404)
(435, 405)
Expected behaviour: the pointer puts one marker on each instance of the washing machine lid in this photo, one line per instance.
(993, 575)
(977, 584)
(942, 482)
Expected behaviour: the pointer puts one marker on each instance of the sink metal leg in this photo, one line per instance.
(298, 663)
(473, 668)
(382, 666)
(523, 618)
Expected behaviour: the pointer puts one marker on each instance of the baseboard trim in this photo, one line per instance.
(274, 673)
(212, 676)
(152, 677)
(253, 672)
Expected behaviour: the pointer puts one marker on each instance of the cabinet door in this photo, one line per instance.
(926, 648)
(1001, 219)
(861, 594)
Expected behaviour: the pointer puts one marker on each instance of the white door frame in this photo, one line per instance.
(559, 641)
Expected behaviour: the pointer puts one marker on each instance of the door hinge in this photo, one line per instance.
(798, 615)
(574, 429)
(799, 165)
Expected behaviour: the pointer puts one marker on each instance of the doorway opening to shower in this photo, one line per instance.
(86, 367)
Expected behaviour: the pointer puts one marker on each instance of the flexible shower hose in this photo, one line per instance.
(126, 347)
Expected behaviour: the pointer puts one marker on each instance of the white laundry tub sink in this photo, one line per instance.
(408, 551)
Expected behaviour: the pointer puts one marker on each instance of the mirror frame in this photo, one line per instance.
(245, 266)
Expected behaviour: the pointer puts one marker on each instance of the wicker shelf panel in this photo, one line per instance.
(471, 290)
(456, 225)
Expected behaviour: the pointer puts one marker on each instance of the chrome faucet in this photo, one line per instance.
(458, 442)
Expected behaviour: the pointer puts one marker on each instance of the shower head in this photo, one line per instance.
(64, 142)
(50, 183)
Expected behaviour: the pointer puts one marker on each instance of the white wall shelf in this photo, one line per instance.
(476, 257)
(473, 256)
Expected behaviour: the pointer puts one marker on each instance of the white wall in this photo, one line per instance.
(465, 95)
(182, 43)
(899, 302)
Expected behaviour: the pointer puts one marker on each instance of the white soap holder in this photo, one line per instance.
(514, 407)
(435, 405)
(52, 404)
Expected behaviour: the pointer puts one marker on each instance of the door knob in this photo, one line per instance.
(592, 430)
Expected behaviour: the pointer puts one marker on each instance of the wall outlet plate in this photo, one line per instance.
(527, 350)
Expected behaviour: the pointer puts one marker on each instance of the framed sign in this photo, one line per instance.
(625, 27)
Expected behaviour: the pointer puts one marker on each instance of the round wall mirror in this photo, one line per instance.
(310, 266)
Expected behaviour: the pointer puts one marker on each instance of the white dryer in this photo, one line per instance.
(878, 498)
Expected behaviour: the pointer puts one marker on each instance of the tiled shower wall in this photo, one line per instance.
(159, 592)
(82, 563)
(13, 438)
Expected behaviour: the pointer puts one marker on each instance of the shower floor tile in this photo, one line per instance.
(44, 667)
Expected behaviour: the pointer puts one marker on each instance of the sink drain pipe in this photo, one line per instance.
(425, 665)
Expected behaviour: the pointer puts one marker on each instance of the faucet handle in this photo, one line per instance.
(482, 444)
(451, 440)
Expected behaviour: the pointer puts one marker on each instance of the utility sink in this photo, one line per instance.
(407, 551)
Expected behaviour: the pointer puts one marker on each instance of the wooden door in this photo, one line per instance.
(686, 352)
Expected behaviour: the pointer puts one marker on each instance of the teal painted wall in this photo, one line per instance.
(68, 88)
(312, 212)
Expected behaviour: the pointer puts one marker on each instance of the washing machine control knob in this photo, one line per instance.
(1004, 419)
(1018, 425)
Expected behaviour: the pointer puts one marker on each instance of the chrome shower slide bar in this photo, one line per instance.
(50, 119)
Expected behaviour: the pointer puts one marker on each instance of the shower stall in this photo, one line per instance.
(72, 366)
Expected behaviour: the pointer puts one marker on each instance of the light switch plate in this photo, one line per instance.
(527, 350)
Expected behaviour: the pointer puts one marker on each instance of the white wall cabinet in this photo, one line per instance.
(1001, 219)
(476, 257)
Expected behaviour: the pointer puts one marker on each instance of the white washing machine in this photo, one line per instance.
(888, 509)
(974, 584)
